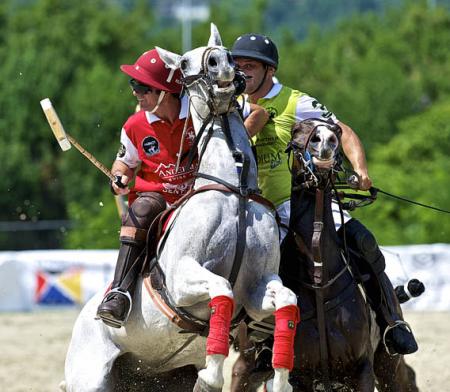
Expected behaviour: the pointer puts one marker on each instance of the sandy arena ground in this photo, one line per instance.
(33, 347)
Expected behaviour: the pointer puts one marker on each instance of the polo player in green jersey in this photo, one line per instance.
(257, 57)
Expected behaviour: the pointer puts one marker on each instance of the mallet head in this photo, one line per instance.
(55, 124)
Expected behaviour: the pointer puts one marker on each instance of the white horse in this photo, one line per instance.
(199, 254)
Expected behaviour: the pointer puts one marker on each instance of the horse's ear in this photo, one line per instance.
(172, 60)
(214, 39)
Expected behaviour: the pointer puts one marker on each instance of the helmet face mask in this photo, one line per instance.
(256, 47)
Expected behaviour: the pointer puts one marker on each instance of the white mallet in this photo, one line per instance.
(65, 140)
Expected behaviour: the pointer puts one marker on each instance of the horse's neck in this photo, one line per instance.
(217, 159)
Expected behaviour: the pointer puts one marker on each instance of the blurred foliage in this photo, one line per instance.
(384, 72)
(414, 164)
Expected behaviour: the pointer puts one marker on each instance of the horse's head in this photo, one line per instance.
(315, 146)
(208, 74)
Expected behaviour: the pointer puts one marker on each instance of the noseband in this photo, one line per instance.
(204, 78)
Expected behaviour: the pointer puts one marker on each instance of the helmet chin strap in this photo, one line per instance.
(160, 98)
(262, 81)
(163, 93)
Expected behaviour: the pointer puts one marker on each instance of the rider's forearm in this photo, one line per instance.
(120, 168)
(353, 149)
(256, 120)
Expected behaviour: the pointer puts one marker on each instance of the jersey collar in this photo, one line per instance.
(275, 90)
(184, 107)
(151, 118)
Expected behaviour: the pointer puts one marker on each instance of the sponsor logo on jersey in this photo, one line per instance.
(169, 173)
(122, 151)
(150, 145)
(190, 136)
(271, 159)
(177, 189)
(326, 113)
(272, 112)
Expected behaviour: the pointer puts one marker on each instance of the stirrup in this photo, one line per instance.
(388, 328)
(112, 322)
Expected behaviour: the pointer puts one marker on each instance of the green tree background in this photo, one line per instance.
(381, 66)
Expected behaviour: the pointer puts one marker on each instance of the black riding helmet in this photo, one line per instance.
(257, 47)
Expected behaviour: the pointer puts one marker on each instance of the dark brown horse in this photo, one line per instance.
(338, 345)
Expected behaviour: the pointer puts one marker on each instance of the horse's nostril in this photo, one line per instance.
(212, 62)
(326, 153)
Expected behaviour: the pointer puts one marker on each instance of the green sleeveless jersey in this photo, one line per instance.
(271, 142)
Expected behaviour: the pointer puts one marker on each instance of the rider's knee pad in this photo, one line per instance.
(144, 210)
(365, 243)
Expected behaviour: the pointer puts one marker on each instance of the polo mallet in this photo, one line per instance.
(65, 141)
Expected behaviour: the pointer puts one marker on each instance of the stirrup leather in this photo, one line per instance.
(112, 322)
(388, 328)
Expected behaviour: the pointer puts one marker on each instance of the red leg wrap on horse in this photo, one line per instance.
(286, 320)
(219, 325)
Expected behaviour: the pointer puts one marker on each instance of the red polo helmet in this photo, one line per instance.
(149, 69)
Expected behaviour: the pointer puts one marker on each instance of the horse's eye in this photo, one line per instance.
(212, 62)
(315, 139)
(183, 65)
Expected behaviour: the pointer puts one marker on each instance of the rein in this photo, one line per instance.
(155, 283)
(242, 162)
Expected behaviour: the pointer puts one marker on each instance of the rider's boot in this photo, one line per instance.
(397, 335)
(116, 304)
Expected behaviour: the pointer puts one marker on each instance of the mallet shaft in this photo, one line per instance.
(89, 156)
(65, 140)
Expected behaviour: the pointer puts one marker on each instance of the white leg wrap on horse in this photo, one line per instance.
(284, 297)
(280, 382)
(213, 374)
(277, 296)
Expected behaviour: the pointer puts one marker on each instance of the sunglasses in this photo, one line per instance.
(140, 88)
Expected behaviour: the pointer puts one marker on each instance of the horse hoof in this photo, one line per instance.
(202, 386)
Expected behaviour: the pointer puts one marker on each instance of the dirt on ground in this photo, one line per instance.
(33, 347)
